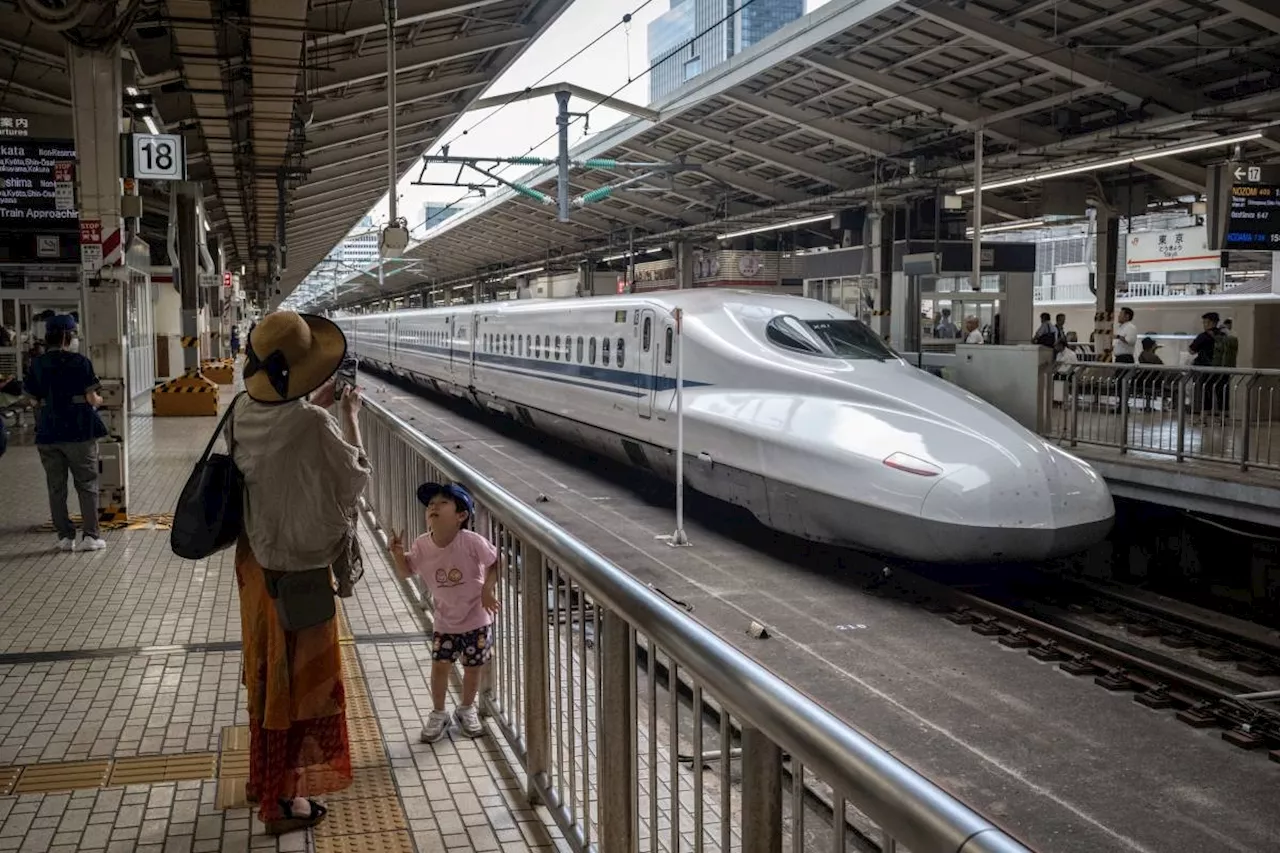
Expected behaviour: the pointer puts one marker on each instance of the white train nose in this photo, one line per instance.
(1046, 504)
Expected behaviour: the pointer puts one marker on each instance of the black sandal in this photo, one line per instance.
(290, 823)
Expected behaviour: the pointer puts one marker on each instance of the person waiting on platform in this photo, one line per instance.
(946, 329)
(303, 474)
(460, 568)
(235, 341)
(972, 334)
(68, 427)
(1126, 341)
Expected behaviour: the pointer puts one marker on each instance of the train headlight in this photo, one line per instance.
(912, 465)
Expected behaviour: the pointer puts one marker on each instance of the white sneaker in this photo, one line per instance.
(91, 543)
(437, 725)
(469, 721)
(66, 544)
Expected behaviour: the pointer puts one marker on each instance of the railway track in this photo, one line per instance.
(1208, 674)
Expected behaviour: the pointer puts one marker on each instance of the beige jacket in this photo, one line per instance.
(302, 480)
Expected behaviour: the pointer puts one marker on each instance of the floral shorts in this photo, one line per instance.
(474, 647)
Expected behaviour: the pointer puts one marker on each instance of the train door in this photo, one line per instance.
(647, 367)
(393, 330)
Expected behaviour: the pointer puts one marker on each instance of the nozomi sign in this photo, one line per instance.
(1170, 251)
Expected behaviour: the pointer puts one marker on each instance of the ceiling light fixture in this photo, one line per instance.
(781, 226)
(1111, 164)
(1012, 226)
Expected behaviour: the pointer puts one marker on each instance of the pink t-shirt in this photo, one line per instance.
(455, 575)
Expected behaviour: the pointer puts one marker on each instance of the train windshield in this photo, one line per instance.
(830, 338)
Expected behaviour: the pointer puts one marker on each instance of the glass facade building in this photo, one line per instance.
(695, 36)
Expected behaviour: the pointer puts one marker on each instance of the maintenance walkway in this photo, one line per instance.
(122, 721)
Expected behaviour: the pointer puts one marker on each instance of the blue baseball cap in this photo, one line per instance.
(60, 323)
(427, 491)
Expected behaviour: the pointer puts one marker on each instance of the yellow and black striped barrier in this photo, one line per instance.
(115, 519)
(220, 370)
(186, 396)
(189, 342)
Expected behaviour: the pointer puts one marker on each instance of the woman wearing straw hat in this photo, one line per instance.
(303, 473)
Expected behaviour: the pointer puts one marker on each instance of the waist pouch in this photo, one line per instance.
(302, 599)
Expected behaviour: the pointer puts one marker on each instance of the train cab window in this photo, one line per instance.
(604, 351)
(591, 351)
(620, 357)
(830, 338)
(646, 334)
(669, 345)
(579, 349)
(557, 350)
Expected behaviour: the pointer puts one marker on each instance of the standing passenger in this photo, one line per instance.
(303, 473)
(973, 335)
(67, 431)
(1126, 341)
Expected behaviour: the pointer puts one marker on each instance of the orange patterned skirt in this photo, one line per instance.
(297, 701)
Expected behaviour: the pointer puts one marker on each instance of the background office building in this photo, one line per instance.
(718, 29)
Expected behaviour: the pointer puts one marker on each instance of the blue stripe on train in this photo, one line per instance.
(629, 383)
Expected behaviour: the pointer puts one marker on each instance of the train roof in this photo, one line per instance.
(700, 299)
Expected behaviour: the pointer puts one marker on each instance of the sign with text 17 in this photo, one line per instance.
(157, 157)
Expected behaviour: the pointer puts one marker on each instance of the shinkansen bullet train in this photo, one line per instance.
(793, 409)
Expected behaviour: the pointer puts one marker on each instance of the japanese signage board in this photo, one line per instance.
(1170, 251)
(1253, 221)
(29, 197)
(90, 244)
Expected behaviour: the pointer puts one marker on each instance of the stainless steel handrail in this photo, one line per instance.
(911, 809)
(1214, 414)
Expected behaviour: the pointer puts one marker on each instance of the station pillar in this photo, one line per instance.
(191, 394)
(97, 88)
(1105, 248)
(682, 250)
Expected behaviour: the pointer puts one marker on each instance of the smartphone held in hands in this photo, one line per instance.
(345, 377)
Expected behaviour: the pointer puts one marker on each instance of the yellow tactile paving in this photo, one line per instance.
(367, 783)
(231, 792)
(234, 764)
(381, 814)
(8, 778)
(371, 842)
(235, 739)
(164, 768)
(67, 776)
(363, 728)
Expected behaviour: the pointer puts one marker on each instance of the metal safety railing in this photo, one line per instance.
(1205, 413)
(616, 702)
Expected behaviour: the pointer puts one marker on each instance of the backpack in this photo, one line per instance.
(1226, 348)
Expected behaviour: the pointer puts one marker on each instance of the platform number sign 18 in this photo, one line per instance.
(157, 157)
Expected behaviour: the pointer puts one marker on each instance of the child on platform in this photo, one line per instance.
(460, 568)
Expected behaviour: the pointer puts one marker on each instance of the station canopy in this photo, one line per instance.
(283, 104)
(867, 100)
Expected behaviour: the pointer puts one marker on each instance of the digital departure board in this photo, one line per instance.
(1254, 218)
(28, 198)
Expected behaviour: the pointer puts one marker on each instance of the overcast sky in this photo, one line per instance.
(510, 131)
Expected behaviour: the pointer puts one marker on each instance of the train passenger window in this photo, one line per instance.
(620, 351)
(646, 334)
(557, 351)
(591, 350)
(528, 346)
(579, 349)
(670, 345)
(537, 346)
(604, 352)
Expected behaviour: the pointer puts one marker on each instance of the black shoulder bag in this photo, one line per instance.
(210, 511)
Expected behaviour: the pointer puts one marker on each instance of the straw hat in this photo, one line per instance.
(290, 355)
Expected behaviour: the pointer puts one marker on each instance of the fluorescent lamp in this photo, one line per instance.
(625, 254)
(151, 124)
(781, 226)
(522, 272)
(132, 90)
(1012, 226)
(1110, 164)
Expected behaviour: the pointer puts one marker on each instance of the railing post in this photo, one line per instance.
(1124, 411)
(762, 794)
(1073, 394)
(1247, 415)
(614, 731)
(537, 677)
(1181, 398)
